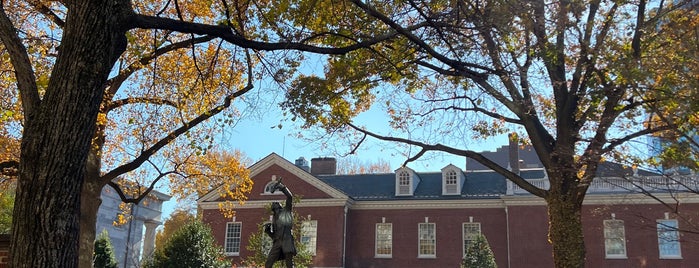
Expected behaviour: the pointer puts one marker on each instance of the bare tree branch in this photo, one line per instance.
(516, 179)
(226, 33)
(142, 195)
(26, 79)
(43, 9)
(118, 103)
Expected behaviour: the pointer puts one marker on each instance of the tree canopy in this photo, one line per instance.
(97, 90)
(580, 81)
(176, 221)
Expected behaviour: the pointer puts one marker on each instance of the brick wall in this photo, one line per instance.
(4, 250)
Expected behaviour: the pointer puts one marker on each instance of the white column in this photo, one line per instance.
(149, 239)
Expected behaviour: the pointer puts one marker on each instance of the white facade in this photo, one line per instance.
(134, 240)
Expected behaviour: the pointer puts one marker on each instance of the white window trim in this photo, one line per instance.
(458, 177)
(463, 234)
(623, 231)
(413, 181)
(400, 175)
(679, 245)
(225, 239)
(313, 236)
(427, 256)
(376, 241)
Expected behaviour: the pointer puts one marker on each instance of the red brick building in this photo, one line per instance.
(425, 219)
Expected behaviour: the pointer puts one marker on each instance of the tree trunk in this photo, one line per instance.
(90, 201)
(57, 137)
(565, 232)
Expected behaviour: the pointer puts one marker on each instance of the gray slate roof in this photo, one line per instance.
(478, 185)
(485, 184)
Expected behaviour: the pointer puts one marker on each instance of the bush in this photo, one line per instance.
(189, 247)
(104, 252)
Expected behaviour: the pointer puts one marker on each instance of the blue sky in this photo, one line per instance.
(257, 136)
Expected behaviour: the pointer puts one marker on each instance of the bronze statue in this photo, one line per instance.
(279, 230)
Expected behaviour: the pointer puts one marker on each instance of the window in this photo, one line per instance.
(450, 182)
(669, 239)
(384, 240)
(403, 183)
(232, 243)
(309, 235)
(268, 188)
(614, 239)
(470, 232)
(427, 243)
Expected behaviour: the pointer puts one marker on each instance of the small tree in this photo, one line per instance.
(177, 219)
(104, 252)
(479, 255)
(191, 246)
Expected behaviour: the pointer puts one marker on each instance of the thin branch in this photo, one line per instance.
(119, 103)
(115, 82)
(477, 110)
(458, 65)
(224, 32)
(147, 153)
(26, 79)
(616, 142)
(142, 195)
(43, 9)
(516, 179)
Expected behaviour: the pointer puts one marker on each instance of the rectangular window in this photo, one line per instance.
(232, 243)
(403, 183)
(450, 186)
(669, 239)
(384, 240)
(427, 243)
(614, 239)
(471, 230)
(309, 235)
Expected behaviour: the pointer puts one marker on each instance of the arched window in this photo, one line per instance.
(268, 188)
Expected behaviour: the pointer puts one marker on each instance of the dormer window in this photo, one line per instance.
(406, 181)
(403, 183)
(450, 186)
(452, 180)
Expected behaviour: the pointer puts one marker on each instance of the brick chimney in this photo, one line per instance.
(323, 166)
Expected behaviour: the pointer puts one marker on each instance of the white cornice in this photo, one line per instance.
(429, 204)
(273, 159)
(257, 204)
(529, 200)
(608, 199)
